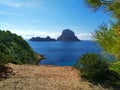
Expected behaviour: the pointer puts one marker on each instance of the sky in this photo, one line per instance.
(31, 18)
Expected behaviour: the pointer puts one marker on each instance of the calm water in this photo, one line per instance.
(63, 53)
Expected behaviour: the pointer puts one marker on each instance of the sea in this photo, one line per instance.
(63, 53)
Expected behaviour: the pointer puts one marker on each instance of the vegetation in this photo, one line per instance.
(115, 66)
(108, 37)
(93, 67)
(13, 49)
(111, 6)
(97, 70)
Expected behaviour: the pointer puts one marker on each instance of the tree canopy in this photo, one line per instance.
(112, 6)
(108, 37)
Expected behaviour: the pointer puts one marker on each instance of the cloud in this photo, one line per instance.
(18, 4)
(28, 34)
(85, 36)
(6, 25)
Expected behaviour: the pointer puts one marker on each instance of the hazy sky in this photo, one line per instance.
(49, 17)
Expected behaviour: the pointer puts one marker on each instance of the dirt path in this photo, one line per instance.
(33, 77)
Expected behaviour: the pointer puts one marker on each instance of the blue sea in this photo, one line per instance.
(63, 53)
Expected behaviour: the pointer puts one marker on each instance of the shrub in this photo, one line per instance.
(115, 66)
(92, 67)
(4, 59)
(14, 49)
(95, 69)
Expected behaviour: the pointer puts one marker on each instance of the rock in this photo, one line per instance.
(42, 39)
(67, 35)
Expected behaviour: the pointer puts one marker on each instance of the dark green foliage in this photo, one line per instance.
(95, 69)
(111, 6)
(96, 4)
(13, 49)
(91, 66)
(5, 58)
(115, 66)
(108, 37)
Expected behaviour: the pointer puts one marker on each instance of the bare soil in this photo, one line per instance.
(43, 77)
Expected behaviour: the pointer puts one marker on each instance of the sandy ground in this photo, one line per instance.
(34, 77)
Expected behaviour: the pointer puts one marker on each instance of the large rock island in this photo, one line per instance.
(42, 39)
(67, 35)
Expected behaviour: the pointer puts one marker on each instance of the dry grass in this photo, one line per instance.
(34, 77)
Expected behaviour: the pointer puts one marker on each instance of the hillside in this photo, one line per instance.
(44, 77)
(14, 49)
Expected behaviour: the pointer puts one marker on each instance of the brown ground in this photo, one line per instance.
(34, 77)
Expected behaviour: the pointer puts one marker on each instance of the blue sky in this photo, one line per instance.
(30, 18)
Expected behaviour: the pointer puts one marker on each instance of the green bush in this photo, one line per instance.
(4, 58)
(95, 69)
(14, 49)
(115, 66)
(92, 67)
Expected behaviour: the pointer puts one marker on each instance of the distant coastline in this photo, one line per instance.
(42, 39)
(67, 35)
